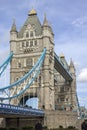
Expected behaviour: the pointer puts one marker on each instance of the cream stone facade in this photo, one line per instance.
(27, 44)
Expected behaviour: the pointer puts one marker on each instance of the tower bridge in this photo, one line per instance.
(37, 71)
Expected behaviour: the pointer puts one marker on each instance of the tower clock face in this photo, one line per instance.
(29, 26)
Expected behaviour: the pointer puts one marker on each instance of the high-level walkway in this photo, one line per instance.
(59, 66)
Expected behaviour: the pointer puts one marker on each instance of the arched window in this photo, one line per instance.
(31, 34)
(19, 65)
(35, 42)
(31, 43)
(27, 34)
(27, 44)
(23, 44)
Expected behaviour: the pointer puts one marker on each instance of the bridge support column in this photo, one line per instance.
(48, 84)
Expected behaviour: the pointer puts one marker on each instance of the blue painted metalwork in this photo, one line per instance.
(26, 75)
(3, 66)
(78, 108)
(17, 110)
(35, 70)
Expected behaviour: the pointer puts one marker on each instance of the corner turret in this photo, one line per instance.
(72, 68)
(47, 30)
(45, 23)
(13, 37)
(13, 31)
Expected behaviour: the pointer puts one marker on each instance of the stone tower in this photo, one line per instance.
(27, 45)
(65, 90)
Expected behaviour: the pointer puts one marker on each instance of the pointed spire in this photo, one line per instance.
(46, 23)
(45, 20)
(72, 68)
(71, 63)
(13, 28)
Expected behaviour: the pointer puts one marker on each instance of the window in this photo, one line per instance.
(31, 43)
(29, 62)
(39, 80)
(62, 89)
(19, 65)
(62, 99)
(27, 34)
(16, 78)
(23, 44)
(31, 34)
(35, 42)
(27, 44)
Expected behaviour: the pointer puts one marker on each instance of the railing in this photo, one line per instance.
(14, 110)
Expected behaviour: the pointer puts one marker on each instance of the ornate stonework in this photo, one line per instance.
(52, 90)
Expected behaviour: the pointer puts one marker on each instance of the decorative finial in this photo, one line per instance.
(71, 62)
(14, 20)
(32, 12)
(62, 55)
(13, 28)
(45, 20)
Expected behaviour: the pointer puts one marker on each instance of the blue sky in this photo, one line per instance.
(68, 19)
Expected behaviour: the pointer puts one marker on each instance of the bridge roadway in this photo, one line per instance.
(59, 66)
(7, 110)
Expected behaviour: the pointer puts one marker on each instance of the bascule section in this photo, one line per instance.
(54, 84)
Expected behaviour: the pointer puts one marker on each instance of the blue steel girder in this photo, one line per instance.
(61, 69)
(30, 77)
(4, 65)
(7, 110)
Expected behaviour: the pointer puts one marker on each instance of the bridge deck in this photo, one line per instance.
(7, 110)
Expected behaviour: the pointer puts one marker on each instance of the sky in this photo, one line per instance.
(68, 19)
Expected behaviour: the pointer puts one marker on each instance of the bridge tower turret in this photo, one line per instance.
(27, 45)
(13, 37)
(48, 43)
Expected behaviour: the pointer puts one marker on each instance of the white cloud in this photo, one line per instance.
(80, 22)
(82, 77)
(83, 100)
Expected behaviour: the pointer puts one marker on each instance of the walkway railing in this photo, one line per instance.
(19, 110)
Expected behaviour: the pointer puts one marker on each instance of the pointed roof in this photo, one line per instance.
(32, 20)
(13, 28)
(32, 12)
(62, 55)
(71, 63)
(72, 67)
(46, 23)
(45, 20)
